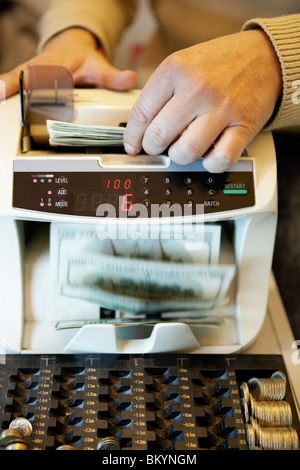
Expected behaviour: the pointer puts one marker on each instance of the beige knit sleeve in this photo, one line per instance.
(106, 19)
(284, 34)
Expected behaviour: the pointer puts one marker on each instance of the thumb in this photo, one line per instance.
(97, 71)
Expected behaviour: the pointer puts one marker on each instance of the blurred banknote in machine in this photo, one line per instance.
(140, 276)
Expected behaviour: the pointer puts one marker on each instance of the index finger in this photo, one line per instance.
(155, 94)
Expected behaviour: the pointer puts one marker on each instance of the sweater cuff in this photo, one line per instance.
(284, 34)
(105, 23)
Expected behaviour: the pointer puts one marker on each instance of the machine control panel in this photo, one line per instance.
(133, 193)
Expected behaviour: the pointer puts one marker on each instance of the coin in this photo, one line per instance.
(65, 447)
(109, 443)
(20, 445)
(245, 410)
(255, 387)
(244, 391)
(10, 435)
(250, 433)
(23, 425)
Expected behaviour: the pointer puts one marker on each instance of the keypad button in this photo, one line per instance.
(188, 180)
(211, 192)
(167, 180)
(210, 180)
(189, 191)
(146, 191)
(168, 191)
(145, 180)
(146, 202)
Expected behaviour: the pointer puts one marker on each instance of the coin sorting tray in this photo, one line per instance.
(136, 402)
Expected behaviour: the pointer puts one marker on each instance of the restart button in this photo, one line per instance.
(235, 188)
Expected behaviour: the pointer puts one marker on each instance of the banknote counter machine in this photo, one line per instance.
(109, 259)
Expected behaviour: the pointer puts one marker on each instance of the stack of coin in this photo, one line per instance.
(279, 438)
(273, 388)
(12, 439)
(272, 413)
(15, 437)
(267, 415)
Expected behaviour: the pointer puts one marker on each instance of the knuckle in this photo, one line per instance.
(248, 122)
(139, 114)
(173, 62)
(190, 151)
(155, 137)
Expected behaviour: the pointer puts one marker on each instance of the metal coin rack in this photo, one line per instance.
(144, 402)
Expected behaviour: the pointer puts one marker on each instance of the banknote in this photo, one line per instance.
(140, 276)
(136, 286)
(77, 135)
(208, 321)
(151, 278)
(67, 239)
(136, 305)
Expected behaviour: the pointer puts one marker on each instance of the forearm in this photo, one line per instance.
(284, 34)
(105, 19)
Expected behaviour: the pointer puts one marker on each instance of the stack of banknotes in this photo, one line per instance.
(68, 134)
(140, 276)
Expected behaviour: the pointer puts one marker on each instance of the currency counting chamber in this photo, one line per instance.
(49, 201)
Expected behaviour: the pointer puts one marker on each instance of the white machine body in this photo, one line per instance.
(32, 311)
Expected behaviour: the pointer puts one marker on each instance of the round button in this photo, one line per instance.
(168, 191)
(210, 180)
(188, 180)
(189, 191)
(211, 192)
(167, 179)
(145, 179)
(190, 202)
(146, 191)
(146, 202)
